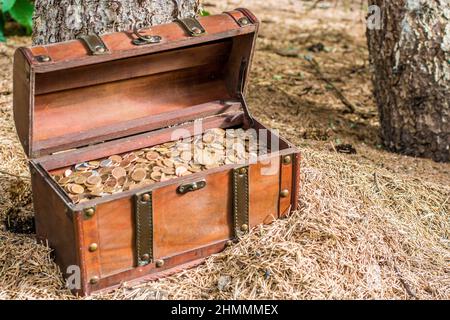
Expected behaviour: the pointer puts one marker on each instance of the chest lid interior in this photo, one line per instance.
(65, 97)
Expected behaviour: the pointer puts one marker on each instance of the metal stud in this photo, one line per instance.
(145, 257)
(242, 171)
(196, 30)
(146, 197)
(287, 160)
(284, 193)
(244, 227)
(93, 247)
(43, 58)
(89, 212)
(244, 21)
(94, 280)
(100, 49)
(229, 243)
(159, 263)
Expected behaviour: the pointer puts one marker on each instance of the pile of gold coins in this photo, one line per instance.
(216, 147)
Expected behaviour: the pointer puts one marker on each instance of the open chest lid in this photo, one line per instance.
(83, 92)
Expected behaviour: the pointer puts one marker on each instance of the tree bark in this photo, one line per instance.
(61, 20)
(410, 55)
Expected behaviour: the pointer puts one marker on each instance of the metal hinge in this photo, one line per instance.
(241, 89)
(94, 44)
(192, 26)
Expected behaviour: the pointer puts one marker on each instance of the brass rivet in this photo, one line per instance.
(89, 212)
(93, 247)
(287, 160)
(146, 197)
(145, 257)
(244, 227)
(94, 280)
(196, 30)
(229, 243)
(242, 170)
(159, 263)
(284, 193)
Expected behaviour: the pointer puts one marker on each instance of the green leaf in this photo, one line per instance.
(22, 12)
(2, 27)
(204, 13)
(7, 4)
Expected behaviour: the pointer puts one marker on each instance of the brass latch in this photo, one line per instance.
(94, 44)
(192, 26)
(142, 39)
(193, 186)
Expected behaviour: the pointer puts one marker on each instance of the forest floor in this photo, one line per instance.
(372, 224)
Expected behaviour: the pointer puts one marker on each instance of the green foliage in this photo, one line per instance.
(204, 13)
(7, 4)
(2, 26)
(19, 10)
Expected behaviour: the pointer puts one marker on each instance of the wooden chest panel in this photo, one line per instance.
(264, 191)
(189, 221)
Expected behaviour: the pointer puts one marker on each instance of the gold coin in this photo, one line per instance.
(131, 157)
(94, 164)
(111, 182)
(168, 170)
(108, 189)
(168, 163)
(152, 156)
(80, 179)
(125, 163)
(159, 163)
(67, 173)
(119, 172)
(157, 169)
(155, 175)
(64, 180)
(138, 174)
(97, 192)
(94, 180)
(76, 188)
(115, 158)
(121, 181)
(75, 198)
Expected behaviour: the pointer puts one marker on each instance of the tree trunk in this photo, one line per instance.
(61, 20)
(410, 54)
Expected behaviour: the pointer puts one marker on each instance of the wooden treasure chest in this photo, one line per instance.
(144, 156)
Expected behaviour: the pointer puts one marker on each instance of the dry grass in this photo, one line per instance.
(371, 226)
